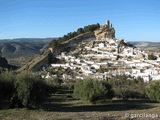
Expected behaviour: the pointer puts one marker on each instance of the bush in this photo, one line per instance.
(30, 90)
(151, 57)
(6, 85)
(70, 85)
(24, 89)
(92, 90)
(125, 88)
(153, 91)
(53, 84)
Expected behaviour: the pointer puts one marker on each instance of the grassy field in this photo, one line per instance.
(62, 106)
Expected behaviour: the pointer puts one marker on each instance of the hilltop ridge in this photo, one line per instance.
(95, 54)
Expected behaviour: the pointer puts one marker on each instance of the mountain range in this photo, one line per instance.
(27, 40)
(19, 51)
(147, 46)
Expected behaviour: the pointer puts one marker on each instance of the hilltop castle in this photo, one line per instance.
(105, 31)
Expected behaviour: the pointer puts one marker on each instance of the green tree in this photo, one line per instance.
(30, 90)
(91, 27)
(153, 91)
(53, 84)
(53, 43)
(80, 30)
(92, 90)
(7, 79)
(125, 88)
(151, 57)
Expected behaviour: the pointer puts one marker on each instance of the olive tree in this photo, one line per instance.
(30, 90)
(92, 90)
(153, 91)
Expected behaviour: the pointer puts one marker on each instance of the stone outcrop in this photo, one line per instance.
(105, 31)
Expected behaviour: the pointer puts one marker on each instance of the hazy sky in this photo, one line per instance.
(133, 20)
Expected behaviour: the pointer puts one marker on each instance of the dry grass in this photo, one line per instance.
(63, 107)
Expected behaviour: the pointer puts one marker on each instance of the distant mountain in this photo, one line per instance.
(27, 40)
(18, 49)
(148, 46)
(4, 64)
(19, 53)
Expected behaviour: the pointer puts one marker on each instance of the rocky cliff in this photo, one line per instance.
(105, 31)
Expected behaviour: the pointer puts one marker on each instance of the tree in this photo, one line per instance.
(53, 84)
(151, 57)
(92, 90)
(125, 88)
(30, 91)
(80, 31)
(53, 43)
(91, 27)
(153, 91)
(7, 79)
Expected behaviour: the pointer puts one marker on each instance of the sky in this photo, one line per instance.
(133, 20)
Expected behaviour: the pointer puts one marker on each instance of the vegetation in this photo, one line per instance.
(102, 70)
(3, 62)
(20, 53)
(89, 28)
(6, 84)
(63, 105)
(92, 90)
(151, 57)
(153, 91)
(23, 89)
(104, 59)
(125, 88)
(53, 84)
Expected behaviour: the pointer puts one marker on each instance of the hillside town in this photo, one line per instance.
(104, 57)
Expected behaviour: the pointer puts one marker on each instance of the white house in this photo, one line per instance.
(102, 45)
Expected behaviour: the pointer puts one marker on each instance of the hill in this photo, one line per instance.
(19, 53)
(27, 40)
(147, 46)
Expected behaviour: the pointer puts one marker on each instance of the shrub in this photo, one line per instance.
(24, 89)
(53, 84)
(70, 85)
(30, 90)
(151, 57)
(92, 90)
(125, 88)
(7, 79)
(153, 91)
